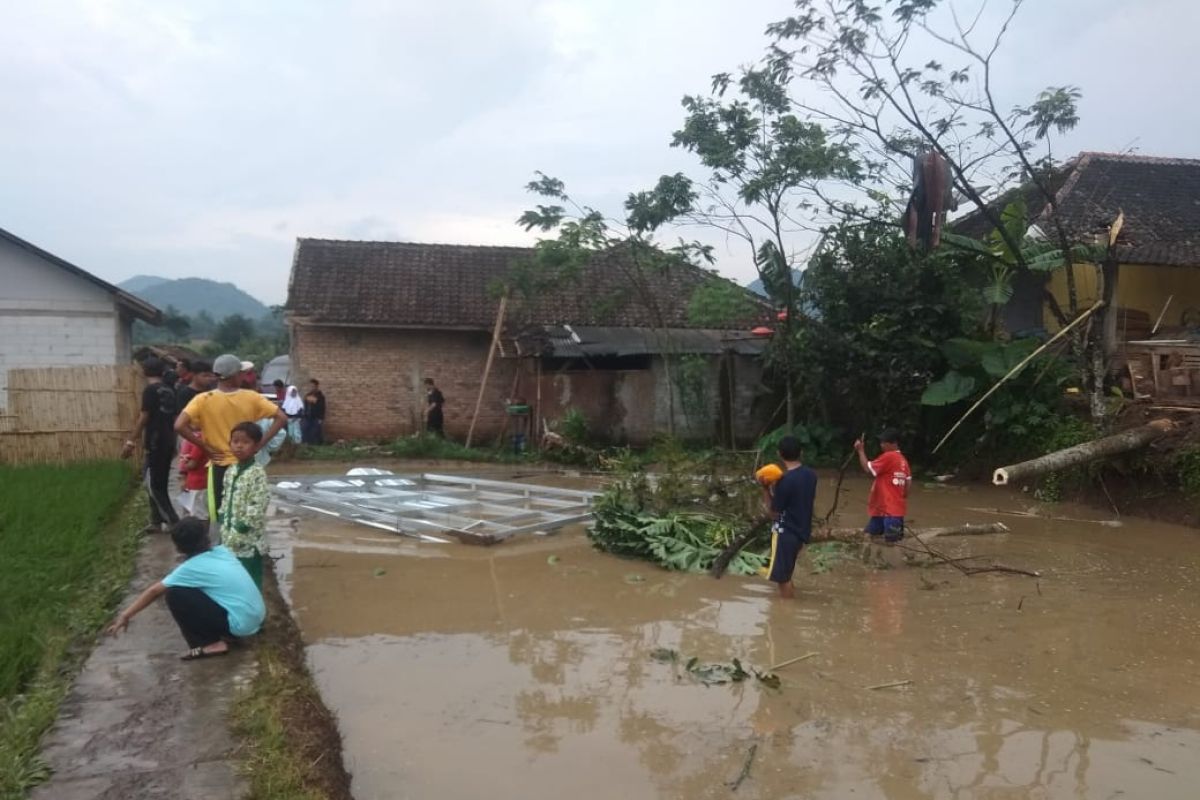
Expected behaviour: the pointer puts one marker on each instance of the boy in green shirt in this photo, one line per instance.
(243, 514)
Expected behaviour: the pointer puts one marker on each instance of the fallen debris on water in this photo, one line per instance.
(433, 507)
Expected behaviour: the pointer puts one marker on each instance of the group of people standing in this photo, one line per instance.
(306, 416)
(215, 594)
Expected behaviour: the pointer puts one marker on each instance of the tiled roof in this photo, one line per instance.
(1160, 198)
(405, 284)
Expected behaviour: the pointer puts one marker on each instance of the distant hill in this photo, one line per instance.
(140, 283)
(756, 285)
(193, 295)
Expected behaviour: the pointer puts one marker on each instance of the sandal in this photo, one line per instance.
(199, 652)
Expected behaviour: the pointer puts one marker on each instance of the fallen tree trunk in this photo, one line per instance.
(858, 535)
(1123, 442)
(761, 527)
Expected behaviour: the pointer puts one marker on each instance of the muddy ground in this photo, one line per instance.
(463, 672)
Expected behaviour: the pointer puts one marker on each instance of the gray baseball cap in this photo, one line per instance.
(227, 366)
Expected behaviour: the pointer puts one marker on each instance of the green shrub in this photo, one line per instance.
(574, 427)
(1187, 469)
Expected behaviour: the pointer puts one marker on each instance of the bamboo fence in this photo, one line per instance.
(62, 414)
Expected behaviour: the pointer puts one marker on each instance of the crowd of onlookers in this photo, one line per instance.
(225, 429)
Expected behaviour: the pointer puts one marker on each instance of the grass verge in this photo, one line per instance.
(68, 539)
(290, 745)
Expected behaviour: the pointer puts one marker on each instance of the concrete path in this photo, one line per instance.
(140, 723)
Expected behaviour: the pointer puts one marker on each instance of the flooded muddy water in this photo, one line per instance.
(524, 669)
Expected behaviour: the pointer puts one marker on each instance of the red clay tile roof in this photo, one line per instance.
(405, 284)
(1160, 198)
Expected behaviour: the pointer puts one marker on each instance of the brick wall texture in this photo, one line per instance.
(373, 379)
(373, 382)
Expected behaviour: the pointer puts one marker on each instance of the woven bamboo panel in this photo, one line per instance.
(61, 414)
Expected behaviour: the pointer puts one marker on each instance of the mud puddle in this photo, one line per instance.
(524, 669)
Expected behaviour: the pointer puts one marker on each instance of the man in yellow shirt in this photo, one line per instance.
(216, 413)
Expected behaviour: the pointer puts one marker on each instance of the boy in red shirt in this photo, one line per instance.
(889, 493)
(193, 464)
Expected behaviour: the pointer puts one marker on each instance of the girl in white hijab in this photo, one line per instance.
(293, 406)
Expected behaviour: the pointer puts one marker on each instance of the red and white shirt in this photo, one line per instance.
(889, 492)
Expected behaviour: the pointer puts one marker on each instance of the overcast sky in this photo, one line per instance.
(201, 138)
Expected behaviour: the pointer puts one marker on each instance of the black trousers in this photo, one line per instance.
(217, 479)
(433, 423)
(311, 430)
(157, 477)
(200, 619)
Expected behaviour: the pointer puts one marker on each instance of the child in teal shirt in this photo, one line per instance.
(243, 514)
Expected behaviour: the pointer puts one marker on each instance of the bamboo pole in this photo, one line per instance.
(488, 366)
(1017, 369)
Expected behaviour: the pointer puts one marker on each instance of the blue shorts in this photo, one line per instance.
(890, 528)
(785, 549)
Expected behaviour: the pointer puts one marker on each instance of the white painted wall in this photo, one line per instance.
(52, 318)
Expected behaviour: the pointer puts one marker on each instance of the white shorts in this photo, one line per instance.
(194, 503)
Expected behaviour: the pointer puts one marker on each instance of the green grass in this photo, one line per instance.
(289, 746)
(68, 538)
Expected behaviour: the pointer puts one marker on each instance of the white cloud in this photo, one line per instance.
(201, 137)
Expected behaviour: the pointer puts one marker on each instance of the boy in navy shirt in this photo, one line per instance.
(791, 500)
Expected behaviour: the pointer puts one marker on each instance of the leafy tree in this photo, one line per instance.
(766, 166)
(874, 92)
(879, 313)
(177, 325)
(232, 330)
(583, 234)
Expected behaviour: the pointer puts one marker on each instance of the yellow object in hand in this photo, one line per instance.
(768, 475)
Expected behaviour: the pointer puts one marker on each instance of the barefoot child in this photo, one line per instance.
(243, 514)
(888, 502)
(791, 498)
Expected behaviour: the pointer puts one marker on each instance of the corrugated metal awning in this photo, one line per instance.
(573, 341)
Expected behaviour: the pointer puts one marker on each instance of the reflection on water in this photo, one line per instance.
(460, 672)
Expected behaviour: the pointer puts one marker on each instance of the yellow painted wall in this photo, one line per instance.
(1145, 287)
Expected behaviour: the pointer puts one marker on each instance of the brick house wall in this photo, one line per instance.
(373, 379)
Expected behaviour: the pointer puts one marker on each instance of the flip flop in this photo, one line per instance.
(197, 653)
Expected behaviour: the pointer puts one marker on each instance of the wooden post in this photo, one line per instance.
(487, 369)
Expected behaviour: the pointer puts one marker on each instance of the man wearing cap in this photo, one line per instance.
(216, 413)
(249, 376)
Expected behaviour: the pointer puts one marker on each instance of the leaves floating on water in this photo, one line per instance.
(379, 572)
(552, 560)
(715, 674)
(664, 654)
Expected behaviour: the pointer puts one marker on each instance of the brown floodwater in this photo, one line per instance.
(524, 669)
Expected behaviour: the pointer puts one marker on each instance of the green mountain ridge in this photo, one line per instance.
(192, 295)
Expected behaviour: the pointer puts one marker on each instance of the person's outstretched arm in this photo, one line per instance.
(863, 461)
(152, 593)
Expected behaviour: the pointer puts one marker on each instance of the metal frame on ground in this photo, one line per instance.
(432, 506)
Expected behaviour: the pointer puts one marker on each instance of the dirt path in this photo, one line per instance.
(140, 723)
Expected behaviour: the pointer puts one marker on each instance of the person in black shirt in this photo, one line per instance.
(433, 405)
(792, 501)
(312, 426)
(156, 423)
(202, 380)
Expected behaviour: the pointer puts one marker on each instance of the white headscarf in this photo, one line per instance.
(292, 404)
